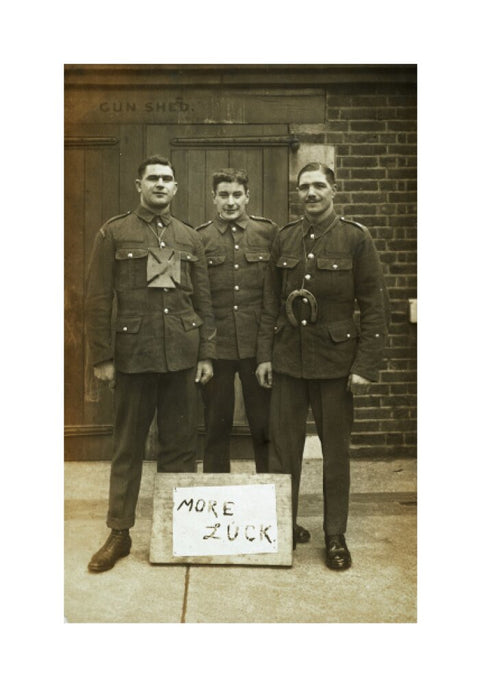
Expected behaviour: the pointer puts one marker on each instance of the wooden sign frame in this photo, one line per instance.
(161, 544)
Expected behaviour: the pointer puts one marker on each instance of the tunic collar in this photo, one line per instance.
(223, 224)
(148, 216)
(322, 227)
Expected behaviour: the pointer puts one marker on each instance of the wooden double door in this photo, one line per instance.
(100, 169)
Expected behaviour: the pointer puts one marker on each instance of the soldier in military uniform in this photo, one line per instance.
(310, 351)
(153, 266)
(237, 250)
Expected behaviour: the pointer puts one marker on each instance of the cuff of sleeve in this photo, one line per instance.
(263, 358)
(99, 356)
(371, 375)
(207, 351)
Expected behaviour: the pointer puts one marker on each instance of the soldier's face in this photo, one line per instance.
(231, 200)
(316, 193)
(157, 187)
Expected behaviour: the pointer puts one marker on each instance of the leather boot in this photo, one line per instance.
(338, 555)
(301, 535)
(117, 545)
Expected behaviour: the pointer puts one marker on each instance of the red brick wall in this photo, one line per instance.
(373, 129)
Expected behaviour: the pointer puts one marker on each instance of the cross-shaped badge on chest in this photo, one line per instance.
(163, 268)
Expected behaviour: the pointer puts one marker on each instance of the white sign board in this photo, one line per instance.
(224, 520)
(231, 519)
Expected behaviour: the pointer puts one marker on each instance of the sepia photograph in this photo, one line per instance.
(240, 343)
(238, 449)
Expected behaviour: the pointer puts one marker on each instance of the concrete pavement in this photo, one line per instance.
(379, 588)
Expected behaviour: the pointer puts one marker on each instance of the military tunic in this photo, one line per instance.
(237, 255)
(338, 263)
(156, 329)
(315, 343)
(149, 272)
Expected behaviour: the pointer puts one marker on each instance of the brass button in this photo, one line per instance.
(308, 276)
(166, 310)
(237, 288)
(284, 264)
(305, 300)
(312, 235)
(236, 266)
(233, 229)
(335, 266)
(125, 328)
(304, 322)
(236, 246)
(260, 257)
(310, 255)
(235, 307)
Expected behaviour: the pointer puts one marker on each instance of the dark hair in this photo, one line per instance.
(318, 166)
(230, 175)
(154, 159)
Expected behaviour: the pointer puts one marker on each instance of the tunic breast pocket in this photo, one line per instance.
(187, 260)
(130, 268)
(336, 274)
(257, 260)
(217, 274)
(290, 280)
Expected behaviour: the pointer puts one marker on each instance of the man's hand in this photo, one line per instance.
(105, 371)
(355, 380)
(204, 371)
(264, 374)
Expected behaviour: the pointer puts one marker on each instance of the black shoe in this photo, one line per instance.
(117, 545)
(338, 555)
(300, 534)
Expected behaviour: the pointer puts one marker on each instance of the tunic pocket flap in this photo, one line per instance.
(334, 264)
(128, 324)
(188, 256)
(287, 262)
(342, 331)
(130, 253)
(213, 260)
(257, 256)
(191, 321)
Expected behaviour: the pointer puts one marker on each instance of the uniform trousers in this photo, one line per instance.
(174, 395)
(219, 399)
(332, 409)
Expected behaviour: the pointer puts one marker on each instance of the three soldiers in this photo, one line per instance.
(201, 306)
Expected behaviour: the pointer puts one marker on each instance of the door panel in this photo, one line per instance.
(91, 196)
(73, 293)
(275, 184)
(267, 167)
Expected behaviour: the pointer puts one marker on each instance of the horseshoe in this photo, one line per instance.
(301, 293)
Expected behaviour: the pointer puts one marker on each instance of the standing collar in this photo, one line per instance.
(147, 215)
(322, 227)
(222, 224)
